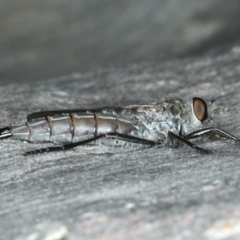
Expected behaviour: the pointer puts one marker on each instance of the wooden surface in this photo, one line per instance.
(97, 192)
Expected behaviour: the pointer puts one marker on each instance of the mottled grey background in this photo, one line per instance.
(41, 39)
(89, 53)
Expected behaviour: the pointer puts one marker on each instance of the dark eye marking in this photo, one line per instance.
(200, 109)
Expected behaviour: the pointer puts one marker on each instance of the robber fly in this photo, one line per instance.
(163, 122)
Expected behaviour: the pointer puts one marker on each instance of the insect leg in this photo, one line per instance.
(119, 136)
(5, 133)
(205, 131)
(201, 150)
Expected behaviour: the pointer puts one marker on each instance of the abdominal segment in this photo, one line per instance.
(72, 127)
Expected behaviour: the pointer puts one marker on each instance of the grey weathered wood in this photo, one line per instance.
(107, 193)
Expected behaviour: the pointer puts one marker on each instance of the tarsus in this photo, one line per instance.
(5, 133)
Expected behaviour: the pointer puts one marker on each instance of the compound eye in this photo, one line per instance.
(200, 109)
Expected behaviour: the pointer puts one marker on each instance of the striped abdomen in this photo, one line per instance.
(72, 127)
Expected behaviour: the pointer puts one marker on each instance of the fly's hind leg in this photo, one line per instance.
(119, 136)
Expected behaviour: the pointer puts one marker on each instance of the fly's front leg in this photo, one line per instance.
(5, 133)
(119, 136)
(206, 131)
(203, 132)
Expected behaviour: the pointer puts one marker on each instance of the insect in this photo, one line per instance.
(163, 122)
